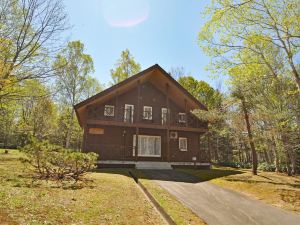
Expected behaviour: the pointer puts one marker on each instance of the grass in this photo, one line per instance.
(176, 210)
(112, 198)
(277, 189)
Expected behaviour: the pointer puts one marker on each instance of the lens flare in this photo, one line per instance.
(125, 13)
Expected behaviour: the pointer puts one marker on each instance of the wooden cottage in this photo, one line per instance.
(144, 121)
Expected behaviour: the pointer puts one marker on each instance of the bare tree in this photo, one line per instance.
(177, 72)
(30, 31)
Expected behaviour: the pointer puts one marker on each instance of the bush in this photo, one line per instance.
(229, 164)
(57, 163)
(266, 167)
(236, 165)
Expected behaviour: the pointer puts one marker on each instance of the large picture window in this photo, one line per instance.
(148, 146)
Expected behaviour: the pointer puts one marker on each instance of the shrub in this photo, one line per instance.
(57, 163)
(236, 165)
(266, 167)
(229, 164)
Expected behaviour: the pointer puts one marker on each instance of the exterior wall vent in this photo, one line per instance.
(173, 135)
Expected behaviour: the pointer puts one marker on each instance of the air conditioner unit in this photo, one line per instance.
(173, 135)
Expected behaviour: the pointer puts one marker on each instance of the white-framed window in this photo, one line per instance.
(147, 113)
(164, 116)
(148, 146)
(182, 144)
(109, 110)
(128, 113)
(181, 117)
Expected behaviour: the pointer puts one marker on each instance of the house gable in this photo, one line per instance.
(154, 82)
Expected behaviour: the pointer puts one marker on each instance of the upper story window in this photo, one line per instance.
(182, 144)
(164, 116)
(109, 110)
(128, 113)
(181, 117)
(147, 113)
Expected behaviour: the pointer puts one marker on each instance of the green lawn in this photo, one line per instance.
(176, 210)
(112, 198)
(273, 188)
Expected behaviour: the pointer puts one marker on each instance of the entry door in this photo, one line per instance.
(148, 146)
(128, 113)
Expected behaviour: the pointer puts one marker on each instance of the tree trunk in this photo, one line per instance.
(70, 130)
(216, 151)
(287, 155)
(276, 161)
(266, 156)
(253, 150)
(239, 146)
(294, 164)
(209, 146)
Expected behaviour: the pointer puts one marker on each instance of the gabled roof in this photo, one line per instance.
(160, 79)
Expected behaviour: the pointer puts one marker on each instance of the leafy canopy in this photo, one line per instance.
(125, 67)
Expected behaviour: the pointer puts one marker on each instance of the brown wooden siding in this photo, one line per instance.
(117, 144)
(149, 96)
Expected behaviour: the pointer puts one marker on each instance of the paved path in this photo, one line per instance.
(219, 206)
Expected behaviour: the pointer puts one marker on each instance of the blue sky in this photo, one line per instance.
(155, 31)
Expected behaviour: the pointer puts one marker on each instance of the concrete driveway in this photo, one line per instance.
(219, 206)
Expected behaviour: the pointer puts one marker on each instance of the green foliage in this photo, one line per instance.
(29, 35)
(56, 163)
(234, 164)
(259, 28)
(266, 167)
(72, 68)
(38, 111)
(202, 91)
(74, 83)
(256, 44)
(125, 67)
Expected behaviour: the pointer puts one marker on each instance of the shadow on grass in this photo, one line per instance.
(5, 218)
(32, 181)
(176, 175)
(261, 182)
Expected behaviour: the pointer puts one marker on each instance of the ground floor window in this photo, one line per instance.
(183, 144)
(148, 146)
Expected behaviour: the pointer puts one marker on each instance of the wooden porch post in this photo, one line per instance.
(168, 122)
(137, 120)
(85, 133)
(186, 112)
(117, 110)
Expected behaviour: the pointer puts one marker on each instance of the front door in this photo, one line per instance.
(148, 146)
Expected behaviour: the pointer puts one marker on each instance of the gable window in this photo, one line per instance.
(181, 117)
(182, 144)
(109, 110)
(147, 113)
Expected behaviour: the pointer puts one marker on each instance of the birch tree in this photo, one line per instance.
(72, 67)
(125, 67)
